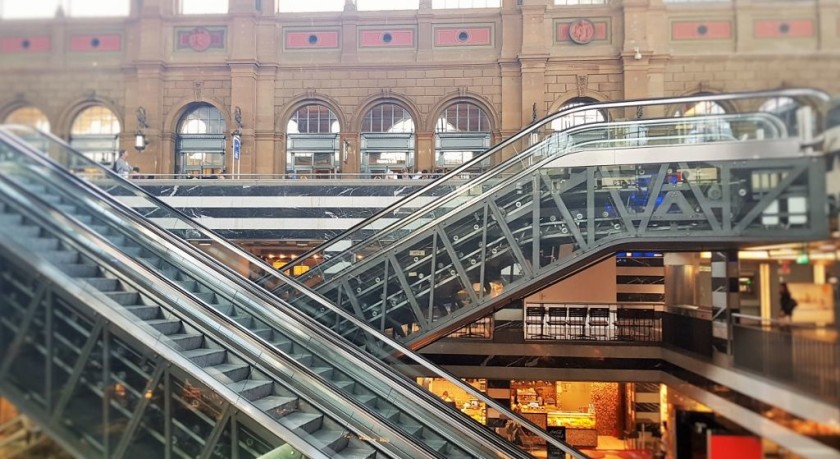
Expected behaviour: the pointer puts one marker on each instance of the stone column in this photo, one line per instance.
(146, 89)
(425, 149)
(725, 298)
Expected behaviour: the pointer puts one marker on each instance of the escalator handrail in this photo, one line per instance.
(442, 200)
(206, 319)
(363, 325)
(499, 187)
(84, 298)
(250, 286)
(461, 424)
(393, 344)
(805, 93)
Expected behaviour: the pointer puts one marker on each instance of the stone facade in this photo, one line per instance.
(515, 62)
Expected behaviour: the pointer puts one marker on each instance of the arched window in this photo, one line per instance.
(712, 125)
(461, 132)
(387, 141)
(312, 145)
(29, 116)
(200, 149)
(785, 108)
(95, 132)
(576, 119)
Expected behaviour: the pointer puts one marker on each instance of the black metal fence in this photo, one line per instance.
(688, 329)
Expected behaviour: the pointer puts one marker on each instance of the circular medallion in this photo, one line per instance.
(200, 39)
(582, 31)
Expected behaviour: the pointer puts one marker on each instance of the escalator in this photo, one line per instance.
(414, 423)
(571, 199)
(101, 356)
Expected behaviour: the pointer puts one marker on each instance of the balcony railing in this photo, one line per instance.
(804, 356)
(592, 322)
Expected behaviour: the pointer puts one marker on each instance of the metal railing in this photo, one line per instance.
(592, 321)
(802, 355)
(688, 328)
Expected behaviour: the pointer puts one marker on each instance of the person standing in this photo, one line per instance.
(786, 301)
(121, 165)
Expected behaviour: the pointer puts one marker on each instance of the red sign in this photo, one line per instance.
(582, 31)
(201, 39)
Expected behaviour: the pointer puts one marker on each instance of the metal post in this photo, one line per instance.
(725, 298)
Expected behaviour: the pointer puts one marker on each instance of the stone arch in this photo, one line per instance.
(285, 114)
(469, 97)
(385, 97)
(704, 90)
(7, 109)
(171, 122)
(68, 116)
(568, 97)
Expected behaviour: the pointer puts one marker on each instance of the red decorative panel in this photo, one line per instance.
(463, 36)
(314, 39)
(200, 38)
(777, 28)
(562, 33)
(38, 44)
(701, 30)
(97, 43)
(386, 37)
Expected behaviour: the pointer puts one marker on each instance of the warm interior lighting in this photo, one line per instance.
(139, 141)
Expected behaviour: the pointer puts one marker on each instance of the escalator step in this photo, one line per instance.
(36, 244)
(252, 389)
(299, 420)
(357, 452)
(324, 372)
(303, 359)
(368, 400)
(125, 298)
(144, 312)
(80, 270)
(283, 344)
(345, 384)
(264, 333)
(165, 326)
(229, 372)
(331, 440)
(103, 284)
(9, 219)
(186, 341)
(206, 357)
(277, 406)
(438, 445)
(61, 256)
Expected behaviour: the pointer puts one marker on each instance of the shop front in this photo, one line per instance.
(564, 404)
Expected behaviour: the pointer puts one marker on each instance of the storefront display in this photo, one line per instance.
(457, 397)
(566, 404)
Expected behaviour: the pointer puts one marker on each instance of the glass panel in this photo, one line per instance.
(441, 4)
(670, 191)
(96, 120)
(576, 119)
(580, 2)
(390, 118)
(15, 9)
(203, 119)
(381, 5)
(297, 6)
(29, 116)
(463, 117)
(313, 119)
(204, 6)
(97, 8)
